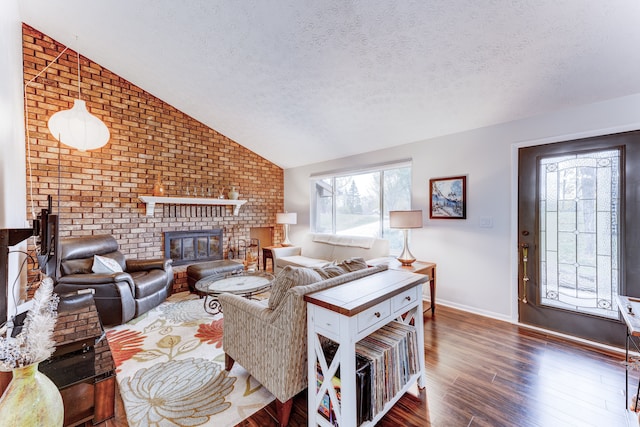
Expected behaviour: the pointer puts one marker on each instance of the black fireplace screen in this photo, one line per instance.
(186, 247)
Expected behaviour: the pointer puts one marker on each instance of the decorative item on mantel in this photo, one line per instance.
(233, 193)
(31, 399)
(158, 188)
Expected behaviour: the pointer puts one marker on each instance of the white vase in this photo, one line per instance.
(233, 194)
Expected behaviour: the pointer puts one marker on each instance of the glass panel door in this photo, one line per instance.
(579, 199)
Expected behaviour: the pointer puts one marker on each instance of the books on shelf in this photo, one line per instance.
(385, 362)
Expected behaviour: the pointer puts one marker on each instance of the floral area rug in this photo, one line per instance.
(170, 369)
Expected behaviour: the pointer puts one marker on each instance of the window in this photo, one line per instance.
(357, 203)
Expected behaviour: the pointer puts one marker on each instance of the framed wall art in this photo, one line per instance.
(448, 198)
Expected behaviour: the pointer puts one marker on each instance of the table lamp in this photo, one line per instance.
(286, 219)
(405, 220)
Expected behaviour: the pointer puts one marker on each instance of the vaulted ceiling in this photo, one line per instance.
(301, 81)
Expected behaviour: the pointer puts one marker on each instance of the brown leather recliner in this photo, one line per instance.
(119, 296)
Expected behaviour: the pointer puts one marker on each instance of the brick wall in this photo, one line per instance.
(99, 190)
(80, 323)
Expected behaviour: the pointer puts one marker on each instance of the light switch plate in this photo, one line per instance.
(486, 222)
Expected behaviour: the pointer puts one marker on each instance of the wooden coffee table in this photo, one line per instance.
(246, 284)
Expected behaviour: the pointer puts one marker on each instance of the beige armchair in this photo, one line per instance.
(271, 342)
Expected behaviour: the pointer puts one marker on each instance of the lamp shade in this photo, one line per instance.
(405, 219)
(287, 218)
(78, 128)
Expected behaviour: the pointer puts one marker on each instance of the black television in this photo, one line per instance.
(45, 228)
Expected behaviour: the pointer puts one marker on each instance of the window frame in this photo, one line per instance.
(380, 168)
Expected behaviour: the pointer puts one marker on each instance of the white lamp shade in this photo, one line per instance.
(405, 219)
(78, 128)
(287, 218)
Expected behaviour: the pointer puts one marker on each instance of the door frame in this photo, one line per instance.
(513, 232)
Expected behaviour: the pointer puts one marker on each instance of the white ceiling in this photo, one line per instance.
(303, 81)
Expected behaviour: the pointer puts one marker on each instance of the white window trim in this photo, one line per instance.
(356, 171)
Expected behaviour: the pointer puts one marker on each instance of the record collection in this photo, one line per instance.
(385, 362)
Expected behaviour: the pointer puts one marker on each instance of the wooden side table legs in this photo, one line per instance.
(267, 254)
(432, 289)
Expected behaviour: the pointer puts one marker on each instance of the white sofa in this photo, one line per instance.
(317, 250)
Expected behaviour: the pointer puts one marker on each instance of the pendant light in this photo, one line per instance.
(77, 127)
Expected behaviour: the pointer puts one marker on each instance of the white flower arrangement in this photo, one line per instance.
(35, 342)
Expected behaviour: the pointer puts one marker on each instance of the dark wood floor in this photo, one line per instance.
(484, 372)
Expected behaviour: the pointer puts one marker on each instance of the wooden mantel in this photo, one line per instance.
(151, 202)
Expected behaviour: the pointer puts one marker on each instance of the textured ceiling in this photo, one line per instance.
(303, 81)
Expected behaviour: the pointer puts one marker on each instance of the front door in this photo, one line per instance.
(579, 205)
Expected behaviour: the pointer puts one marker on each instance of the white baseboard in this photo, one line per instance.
(470, 309)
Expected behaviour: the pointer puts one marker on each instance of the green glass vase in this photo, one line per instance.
(31, 399)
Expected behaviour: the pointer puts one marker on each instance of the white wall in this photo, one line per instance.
(476, 265)
(12, 150)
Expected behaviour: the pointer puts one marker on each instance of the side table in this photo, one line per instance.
(267, 254)
(420, 267)
(630, 309)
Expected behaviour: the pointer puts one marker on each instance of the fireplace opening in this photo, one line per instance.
(187, 247)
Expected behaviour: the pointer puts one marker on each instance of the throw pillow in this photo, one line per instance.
(353, 264)
(330, 270)
(105, 265)
(288, 278)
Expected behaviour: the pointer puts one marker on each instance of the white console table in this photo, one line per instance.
(347, 313)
